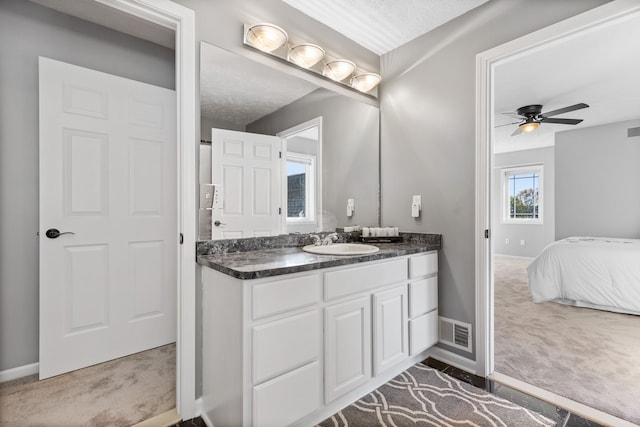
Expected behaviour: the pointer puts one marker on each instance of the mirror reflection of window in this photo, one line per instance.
(300, 188)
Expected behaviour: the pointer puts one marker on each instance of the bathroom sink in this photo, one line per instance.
(341, 249)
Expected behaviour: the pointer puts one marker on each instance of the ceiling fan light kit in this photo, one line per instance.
(532, 117)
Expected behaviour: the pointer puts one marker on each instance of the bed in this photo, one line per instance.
(594, 272)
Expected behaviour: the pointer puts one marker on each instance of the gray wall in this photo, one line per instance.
(27, 31)
(598, 182)
(207, 123)
(428, 132)
(349, 152)
(536, 236)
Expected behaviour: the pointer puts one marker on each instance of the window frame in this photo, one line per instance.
(310, 188)
(505, 173)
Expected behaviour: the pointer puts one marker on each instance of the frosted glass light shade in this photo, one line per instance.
(529, 126)
(306, 55)
(266, 37)
(339, 69)
(364, 82)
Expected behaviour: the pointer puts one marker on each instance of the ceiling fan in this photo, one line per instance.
(531, 116)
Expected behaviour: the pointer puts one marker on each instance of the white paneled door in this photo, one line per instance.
(247, 165)
(108, 186)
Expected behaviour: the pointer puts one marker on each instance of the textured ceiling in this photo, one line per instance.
(599, 68)
(238, 90)
(383, 25)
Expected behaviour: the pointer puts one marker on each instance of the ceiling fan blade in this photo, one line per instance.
(562, 121)
(507, 124)
(565, 110)
(514, 115)
(517, 131)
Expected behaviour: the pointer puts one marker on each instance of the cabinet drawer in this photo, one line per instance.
(353, 280)
(287, 398)
(423, 296)
(285, 344)
(282, 295)
(423, 265)
(423, 332)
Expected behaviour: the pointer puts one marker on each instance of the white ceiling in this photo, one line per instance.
(238, 90)
(383, 25)
(600, 68)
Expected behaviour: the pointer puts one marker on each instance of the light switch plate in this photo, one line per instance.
(206, 196)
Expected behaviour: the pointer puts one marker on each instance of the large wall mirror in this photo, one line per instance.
(284, 155)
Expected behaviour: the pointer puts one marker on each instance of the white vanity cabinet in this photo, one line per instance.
(295, 348)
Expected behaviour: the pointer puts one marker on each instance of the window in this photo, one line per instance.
(522, 195)
(300, 188)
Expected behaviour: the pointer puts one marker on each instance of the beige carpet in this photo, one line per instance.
(586, 355)
(118, 393)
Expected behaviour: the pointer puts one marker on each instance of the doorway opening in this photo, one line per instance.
(499, 277)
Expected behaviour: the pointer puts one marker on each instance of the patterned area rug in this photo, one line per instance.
(424, 396)
(590, 356)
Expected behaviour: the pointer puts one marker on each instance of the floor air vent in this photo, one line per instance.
(456, 334)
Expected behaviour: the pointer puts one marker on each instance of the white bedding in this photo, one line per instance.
(595, 272)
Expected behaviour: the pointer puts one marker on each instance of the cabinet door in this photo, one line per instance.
(390, 337)
(347, 346)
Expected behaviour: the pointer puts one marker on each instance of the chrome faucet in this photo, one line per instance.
(316, 239)
(330, 239)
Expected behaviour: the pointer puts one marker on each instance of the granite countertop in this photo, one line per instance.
(255, 264)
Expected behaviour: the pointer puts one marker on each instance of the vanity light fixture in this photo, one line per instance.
(266, 37)
(364, 82)
(529, 125)
(306, 55)
(338, 69)
(275, 42)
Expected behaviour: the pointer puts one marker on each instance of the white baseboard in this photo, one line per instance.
(206, 419)
(453, 359)
(198, 407)
(19, 372)
(528, 258)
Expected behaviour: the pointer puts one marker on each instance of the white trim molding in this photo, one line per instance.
(182, 20)
(453, 359)
(19, 372)
(572, 406)
(607, 14)
(319, 220)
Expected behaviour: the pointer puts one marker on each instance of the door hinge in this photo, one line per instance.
(181, 238)
(486, 234)
(279, 154)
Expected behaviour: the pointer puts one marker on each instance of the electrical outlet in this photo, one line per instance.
(522, 242)
(507, 241)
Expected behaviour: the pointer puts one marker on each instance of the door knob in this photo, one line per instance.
(53, 233)
(218, 223)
